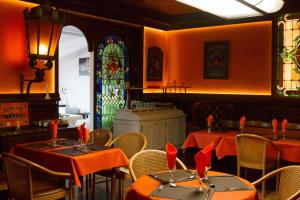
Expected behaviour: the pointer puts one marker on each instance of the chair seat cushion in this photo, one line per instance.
(43, 188)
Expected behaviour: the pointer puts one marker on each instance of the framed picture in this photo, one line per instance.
(154, 64)
(14, 114)
(216, 60)
(84, 66)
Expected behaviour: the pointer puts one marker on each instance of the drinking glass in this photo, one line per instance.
(53, 142)
(283, 135)
(205, 178)
(241, 129)
(209, 128)
(171, 166)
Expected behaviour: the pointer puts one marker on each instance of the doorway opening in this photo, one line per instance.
(75, 78)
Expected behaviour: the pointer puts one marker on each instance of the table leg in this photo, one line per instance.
(113, 186)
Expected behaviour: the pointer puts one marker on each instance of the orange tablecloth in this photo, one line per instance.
(145, 185)
(202, 138)
(290, 149)
(76, 165)
(225, 144)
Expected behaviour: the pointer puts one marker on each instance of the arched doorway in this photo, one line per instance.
(75, 77)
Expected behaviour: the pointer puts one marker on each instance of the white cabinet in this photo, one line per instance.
(158, 125)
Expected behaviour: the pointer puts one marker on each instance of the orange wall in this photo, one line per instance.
(250, 58)
(13, 51)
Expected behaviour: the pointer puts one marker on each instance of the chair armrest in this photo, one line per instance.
(294, 196)
(267, 176)
(50, 172)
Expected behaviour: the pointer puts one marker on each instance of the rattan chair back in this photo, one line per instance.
(150, 161)
(289, 184)
(130, 143)
(254, 151)
(21, 185)
(102, 137)
(19, 178)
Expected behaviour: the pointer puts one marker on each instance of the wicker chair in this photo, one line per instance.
(289, 184)
(101, 136)
(256, 152)
(22, 185)
(150, 161)
(130, 143)
(3, 179)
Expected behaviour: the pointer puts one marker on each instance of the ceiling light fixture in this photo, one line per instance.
(234, 9)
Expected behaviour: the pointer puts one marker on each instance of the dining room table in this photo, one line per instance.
(188, 186)
(224, 143)
(72, 157)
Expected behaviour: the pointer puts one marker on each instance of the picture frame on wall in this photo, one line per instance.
(154, 64)
(84, 66)
(216, 57)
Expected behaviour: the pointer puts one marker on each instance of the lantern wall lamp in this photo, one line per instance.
(233, 9)
(43, 29)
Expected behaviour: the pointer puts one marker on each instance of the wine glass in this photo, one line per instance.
(283, 135)
(53, 138)
(171, 159)
(241, 129)
(171, 166)
(209, 127)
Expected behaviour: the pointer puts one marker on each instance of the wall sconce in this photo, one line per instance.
(43, 29)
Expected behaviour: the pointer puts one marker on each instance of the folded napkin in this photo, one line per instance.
(54, 127)
(275, 125)
(207, 152)
(284, 124)
(242, 122)
(85, 134)
(200, 160)
(210, 119)
(171, 155)
(203, 159)
(79, 132)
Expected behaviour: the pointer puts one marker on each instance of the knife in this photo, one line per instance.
(158, 179)
(207, 195)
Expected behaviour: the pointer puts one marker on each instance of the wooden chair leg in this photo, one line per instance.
(263, 185)
(87, 187)
(238, 170)
(120, 189)
(71, 195)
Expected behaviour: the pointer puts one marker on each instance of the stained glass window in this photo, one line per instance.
(288, 59)
(112, 72)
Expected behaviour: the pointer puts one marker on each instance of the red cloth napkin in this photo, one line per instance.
(275, 125)
(54, 127)
(79, 133)
(85, 134)
(203, 159)
(200, 163)
(242, 122)
(209, 119)
(207, 152)
(171, 155)
(284, 124)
